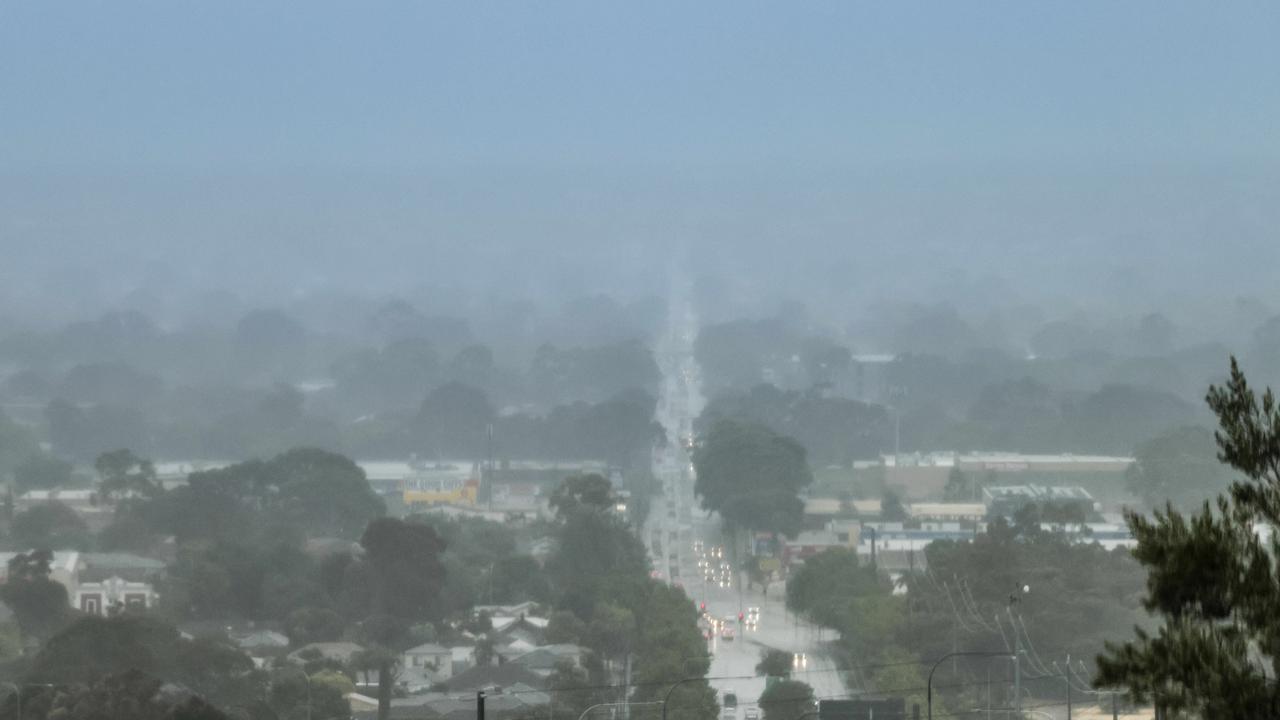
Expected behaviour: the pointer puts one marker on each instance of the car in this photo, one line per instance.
(753, 611)
(751, 714)
(799, 661)
(726, 633)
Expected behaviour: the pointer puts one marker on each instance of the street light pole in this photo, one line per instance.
(617, 704)
(1017, 646)
(678, 683)
(944, 658)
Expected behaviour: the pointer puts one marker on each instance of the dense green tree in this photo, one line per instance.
(322, 493)
(39, 603)
(1179, 467)
(582, 493)
(1212, 580)
(1118, 417)
(294, 697)
(572, 691)
(619, 430)
(49, 526)
(122, 473)
(127, 695)
(960, 486)
(596, 556)
(611, 631)
(900, 674)
(1019, 415)
(736, 353)
(668, 648)
(774, 663)
(786, 700)
(313, 624)
(407, 575)
(826, 583)
(1081, 593)
(128, 532)
(892, 509)
(93, 648)
(454, 420)
(751, 476)
(591, 373)
(565, 627)
(833, 430)
(379, 379)
(517, 578)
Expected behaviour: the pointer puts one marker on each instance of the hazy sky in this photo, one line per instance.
(420, 84)
(351, 137)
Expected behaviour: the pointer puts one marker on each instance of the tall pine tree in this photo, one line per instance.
(1213, 579)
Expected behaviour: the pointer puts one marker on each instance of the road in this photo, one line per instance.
(675, 526)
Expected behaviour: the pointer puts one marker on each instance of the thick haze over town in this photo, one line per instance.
(694, 361)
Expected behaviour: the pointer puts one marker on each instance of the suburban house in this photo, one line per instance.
(525, 627)
(509, 652)
(545, 659)
(513, 701)
(342, 652)
(262, 641)
(464, 657)
(101, 583)
(429, 655)
(486, 677)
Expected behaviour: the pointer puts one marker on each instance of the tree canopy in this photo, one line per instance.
(1212, 579)
(786, 700)
(1179, 467)
(404, 559)
(751, 476)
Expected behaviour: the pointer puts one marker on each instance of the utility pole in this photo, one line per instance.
(489, 484)
(479, 705)
(1017, 670)
(1014, 597)
(988, 691)
(1067, 679)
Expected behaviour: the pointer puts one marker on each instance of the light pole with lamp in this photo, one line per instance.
(944, 658)
(1014, 597)
(677, 684)
(17, 693)
(620, 704)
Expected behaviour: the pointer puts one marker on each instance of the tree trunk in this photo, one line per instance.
(384, 690)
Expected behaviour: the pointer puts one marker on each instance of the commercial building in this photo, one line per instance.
(1007, 500)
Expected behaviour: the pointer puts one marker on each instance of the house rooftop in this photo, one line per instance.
(428, 649)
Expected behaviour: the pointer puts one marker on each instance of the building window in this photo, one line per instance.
(91, 604)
